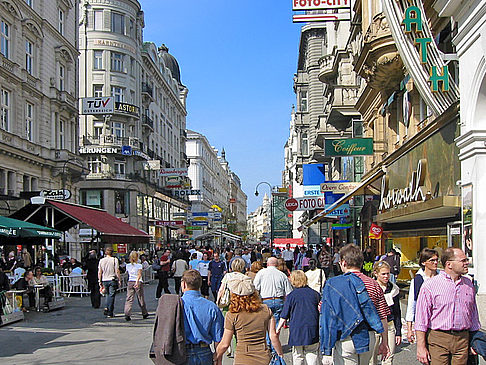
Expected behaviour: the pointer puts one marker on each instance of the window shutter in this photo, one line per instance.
(107, 20)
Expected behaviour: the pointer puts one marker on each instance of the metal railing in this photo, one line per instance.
(66, 285)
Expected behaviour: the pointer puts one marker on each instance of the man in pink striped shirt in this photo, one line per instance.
(446, 312)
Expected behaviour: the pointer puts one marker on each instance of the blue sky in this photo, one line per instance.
(237, 59)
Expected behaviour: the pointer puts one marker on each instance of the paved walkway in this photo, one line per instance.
(79, 334)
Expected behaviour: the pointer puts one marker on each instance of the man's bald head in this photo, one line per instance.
(272, 261)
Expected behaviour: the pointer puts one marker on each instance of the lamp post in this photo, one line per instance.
(271, 209)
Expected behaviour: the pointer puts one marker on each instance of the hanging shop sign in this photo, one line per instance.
(301, 204)
(59, 194)
(319, 4)
(101, 105)
(413, 15)
(339, 10)
(126, 150)
(200, 223)
(348, 147)
(141, 154)
(185, 193)
(125, 108)
(312, 190)
(169, 223)
(339, 187)
(173, 182)
(375, 232)
(151, 165)
(173, 172)
(342, 211)
(412, 193)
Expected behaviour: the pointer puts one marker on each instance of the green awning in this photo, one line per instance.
(14, 228)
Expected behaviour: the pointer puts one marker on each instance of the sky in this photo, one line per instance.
(237, 58)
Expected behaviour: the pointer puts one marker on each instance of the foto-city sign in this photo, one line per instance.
(59, 194)
(339, 187)
(298, 5)
(173, 172)
(348, 147)
(101, 105)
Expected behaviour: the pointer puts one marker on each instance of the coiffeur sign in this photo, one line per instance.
(348, 147)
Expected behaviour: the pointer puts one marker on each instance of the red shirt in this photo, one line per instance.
(165, 267)
(376, 294)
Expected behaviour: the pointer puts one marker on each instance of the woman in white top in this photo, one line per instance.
(135, 285)
(316, 278)
(428, 261)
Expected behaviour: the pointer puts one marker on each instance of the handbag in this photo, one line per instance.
(102, 290)
(224, 301)
(277, 360)
(156, 265)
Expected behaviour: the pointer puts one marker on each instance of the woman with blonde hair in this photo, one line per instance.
(255, 267)
(135, 286)
(301, 310)
(249, 320)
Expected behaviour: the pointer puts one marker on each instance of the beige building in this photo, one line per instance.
(38, 100)
(148, 123)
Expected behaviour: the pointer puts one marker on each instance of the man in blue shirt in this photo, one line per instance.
(203, 321)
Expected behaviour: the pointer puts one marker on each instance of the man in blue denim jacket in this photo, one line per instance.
(350, 315)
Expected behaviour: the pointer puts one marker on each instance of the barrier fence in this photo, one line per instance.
(77, 284)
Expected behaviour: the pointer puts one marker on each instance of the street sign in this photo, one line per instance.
(169, 223)
(343, 210)
(101, 105)
(174, 172)
(348, 147)
(339, 187)
(59, 194)
(200, 223)
(320, 4)
(306, 18)
(215, 215)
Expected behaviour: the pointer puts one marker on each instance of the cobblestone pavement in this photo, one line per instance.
(79, 334)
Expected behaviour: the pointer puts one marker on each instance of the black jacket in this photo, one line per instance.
(4, 282)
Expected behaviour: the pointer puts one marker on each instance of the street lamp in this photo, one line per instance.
(271, 209)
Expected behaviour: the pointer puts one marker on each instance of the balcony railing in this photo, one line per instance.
(146, 88)
(147, 121)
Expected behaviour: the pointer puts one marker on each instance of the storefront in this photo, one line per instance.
(420, 199)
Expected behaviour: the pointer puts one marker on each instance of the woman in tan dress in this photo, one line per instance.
(249, 320)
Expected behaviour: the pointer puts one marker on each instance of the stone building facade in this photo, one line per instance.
(38, 100)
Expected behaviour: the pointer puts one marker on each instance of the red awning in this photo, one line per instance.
(111, 228)
(63, 216)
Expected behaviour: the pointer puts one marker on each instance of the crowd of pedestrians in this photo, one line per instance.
(337, 310)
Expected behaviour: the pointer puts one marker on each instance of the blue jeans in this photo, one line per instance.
(276, 306)
(199, 356)
(110, 287)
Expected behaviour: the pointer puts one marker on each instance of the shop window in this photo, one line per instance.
(92, 198)
(121, 202)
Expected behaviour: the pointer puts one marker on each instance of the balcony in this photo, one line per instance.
(327, 69)
(147, 89)
(147, 122)
(379, 62)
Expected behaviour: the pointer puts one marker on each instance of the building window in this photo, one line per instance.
(119, 167)
(117, 23)
(98, 60)
(4, 39)
(62, 76)
(92, 198)
(304, 144)
(116, 61)
(29, 121)
(29, 57)
(118, 129)
(97, 91)
(117, 92)
(121, 202)
(5, 110)
(94, 164)
(98, 19)
(61, 21)
(132, 29)
(303, 100)
(29, 2)
(62, 131)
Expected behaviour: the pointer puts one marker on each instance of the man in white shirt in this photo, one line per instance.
(288, 256)
(110, 279)
(273, 286)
